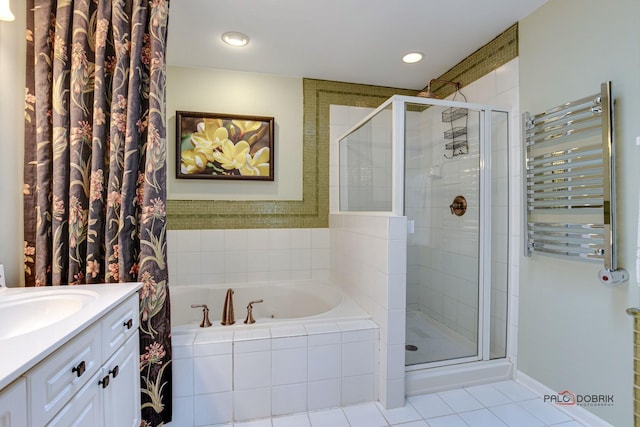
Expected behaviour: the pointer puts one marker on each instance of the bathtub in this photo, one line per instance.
(283, 302)
(311, 348)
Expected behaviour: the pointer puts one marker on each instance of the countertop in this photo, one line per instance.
(22, 352)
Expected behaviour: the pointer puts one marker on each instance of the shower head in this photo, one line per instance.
(427, 93)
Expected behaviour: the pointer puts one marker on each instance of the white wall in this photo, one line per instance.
(12, 83)
(574, 333)
(236, 92)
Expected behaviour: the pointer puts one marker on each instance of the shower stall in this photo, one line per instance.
(444, 165)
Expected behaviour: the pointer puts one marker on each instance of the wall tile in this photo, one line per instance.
(324, 362)
(289, 366)
(289, 399)
(213, 408)
(183, 411)
(251, 370)
(251, 404)
(358, 389)
(182, 377)
(219, 374)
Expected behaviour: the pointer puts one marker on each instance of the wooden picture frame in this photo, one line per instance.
(224, 146)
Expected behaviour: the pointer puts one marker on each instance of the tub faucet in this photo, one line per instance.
(205, 315)
(228, 317)
(249, 319)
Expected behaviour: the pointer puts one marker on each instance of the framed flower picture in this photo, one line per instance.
(224, 146)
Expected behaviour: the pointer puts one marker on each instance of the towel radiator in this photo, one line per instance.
(569, 191)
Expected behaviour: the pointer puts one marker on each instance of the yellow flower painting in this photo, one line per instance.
(219, 146)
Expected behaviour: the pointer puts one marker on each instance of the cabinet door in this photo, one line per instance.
(85, 408)
(119, 325)
(122, 396)
(13, 405)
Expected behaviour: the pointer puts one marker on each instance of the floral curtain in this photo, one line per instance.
(95, 172)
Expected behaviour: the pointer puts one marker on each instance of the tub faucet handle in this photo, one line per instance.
(249, 319)
(205, 315)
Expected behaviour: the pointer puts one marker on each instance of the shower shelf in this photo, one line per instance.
(457, 145)
(455, 132)
(452, 114)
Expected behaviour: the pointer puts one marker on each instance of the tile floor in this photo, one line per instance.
(503, 404)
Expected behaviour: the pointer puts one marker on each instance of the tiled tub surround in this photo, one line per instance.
(368, 259)
(246, 256)
(246, 372)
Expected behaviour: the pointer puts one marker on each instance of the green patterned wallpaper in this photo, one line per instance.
(313, 210)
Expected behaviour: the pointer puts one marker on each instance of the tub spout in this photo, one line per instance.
(249, 319)
(228, 317)
(205, 315)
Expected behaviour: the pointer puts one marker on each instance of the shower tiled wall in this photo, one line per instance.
(245, 256)
(443, 251)
(447, 256)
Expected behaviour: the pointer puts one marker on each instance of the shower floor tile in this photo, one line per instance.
(435, 341)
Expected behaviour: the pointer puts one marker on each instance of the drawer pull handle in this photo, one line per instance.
(104, 382)
(79, 370)
(115, 371)
(128, 323)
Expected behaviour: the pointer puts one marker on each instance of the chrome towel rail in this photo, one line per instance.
(569, 166)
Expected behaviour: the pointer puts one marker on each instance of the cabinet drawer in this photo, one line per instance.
(55, 380)
(118, 325)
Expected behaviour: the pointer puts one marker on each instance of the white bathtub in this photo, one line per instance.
(311, 348)
(296, 301)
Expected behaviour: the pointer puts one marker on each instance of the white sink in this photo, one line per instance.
(25, 312)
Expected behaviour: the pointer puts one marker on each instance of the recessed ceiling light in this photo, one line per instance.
(412, 57)
(234, 38)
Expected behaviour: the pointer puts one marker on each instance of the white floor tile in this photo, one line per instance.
(570, 424)
(430, 405)
(514, 391)
(448, 421)
(545, 412)
(421, 423)
(459, 400)
(516, 416)
(481, 418)
(328, 418)
(503, 404)
(296, 420)
(400, 415)
(488, 395)
(366, 415)
(254, 423)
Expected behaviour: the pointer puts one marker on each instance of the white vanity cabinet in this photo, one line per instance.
(13, 405)
(93, 379)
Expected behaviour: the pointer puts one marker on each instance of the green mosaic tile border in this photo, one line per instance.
(313, 210)
(494, 54)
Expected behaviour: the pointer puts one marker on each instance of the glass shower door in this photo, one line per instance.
(442, 204)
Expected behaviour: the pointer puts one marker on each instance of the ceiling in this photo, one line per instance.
(357, 41)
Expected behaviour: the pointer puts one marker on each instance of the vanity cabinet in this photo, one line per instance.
(92, 380)
(13, 405)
